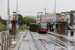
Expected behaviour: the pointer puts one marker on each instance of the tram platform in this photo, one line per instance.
(68, 37)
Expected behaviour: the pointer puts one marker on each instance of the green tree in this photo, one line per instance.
(20, 18)
(25, 20)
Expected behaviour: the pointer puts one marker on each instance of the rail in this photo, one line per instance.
(60, 43)
(34, 41)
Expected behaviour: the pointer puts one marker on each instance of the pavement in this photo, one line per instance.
(17, 38)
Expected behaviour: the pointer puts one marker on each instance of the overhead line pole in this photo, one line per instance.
(16, 14)
(8, 20)
(17, 10)
(45, 14)
(55, 15)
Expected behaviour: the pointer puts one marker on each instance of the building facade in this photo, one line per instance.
(49, 17)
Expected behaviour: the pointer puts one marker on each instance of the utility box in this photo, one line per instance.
(62, 27)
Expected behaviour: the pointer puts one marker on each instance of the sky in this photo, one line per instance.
(32, 7)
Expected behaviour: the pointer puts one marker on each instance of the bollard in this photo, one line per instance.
(72, 33)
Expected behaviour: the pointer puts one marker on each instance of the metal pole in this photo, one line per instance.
(8, 19)
(16, 13)
(17, 10)
(45, 14)
(55, 15)
(41, 16)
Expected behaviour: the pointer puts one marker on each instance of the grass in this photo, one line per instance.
(21, 30)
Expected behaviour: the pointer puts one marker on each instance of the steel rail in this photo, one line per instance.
(34, 41)
(40, 43)
(61, 42)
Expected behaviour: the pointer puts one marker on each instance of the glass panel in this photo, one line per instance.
(43, 26)
(32, 27)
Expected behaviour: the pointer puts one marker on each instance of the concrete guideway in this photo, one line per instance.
(36, 41)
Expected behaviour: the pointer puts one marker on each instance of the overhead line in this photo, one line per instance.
(47, 3)
(31, 4)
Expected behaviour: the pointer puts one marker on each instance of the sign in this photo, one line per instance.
(73, 18)
(62, 17)
(10, 26)
(14, 15)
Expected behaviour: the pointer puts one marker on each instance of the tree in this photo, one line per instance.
(25, 20)
(20, 18)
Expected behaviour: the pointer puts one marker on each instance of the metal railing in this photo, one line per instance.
(5, 41)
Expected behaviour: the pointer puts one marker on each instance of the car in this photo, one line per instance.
(70, 28)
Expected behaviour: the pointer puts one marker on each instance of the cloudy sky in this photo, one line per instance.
(34, 6)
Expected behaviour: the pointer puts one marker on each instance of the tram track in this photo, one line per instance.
(45, 45)
(57, 41)
(40, 44)
(60, 42)
(34, 41)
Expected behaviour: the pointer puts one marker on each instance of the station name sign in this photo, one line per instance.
(14, 15)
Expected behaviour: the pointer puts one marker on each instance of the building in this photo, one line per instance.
(49, 17)
(69, 17)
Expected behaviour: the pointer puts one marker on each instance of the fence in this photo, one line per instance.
(5, 41)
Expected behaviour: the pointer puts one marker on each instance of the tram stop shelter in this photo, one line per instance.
(62, 27)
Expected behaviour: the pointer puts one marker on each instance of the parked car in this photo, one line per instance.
(70, 28)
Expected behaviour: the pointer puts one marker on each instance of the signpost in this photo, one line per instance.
(14, 15)
(14, 24)
(74, 20)
(62, 17)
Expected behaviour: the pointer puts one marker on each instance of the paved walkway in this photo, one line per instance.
(17, 38)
